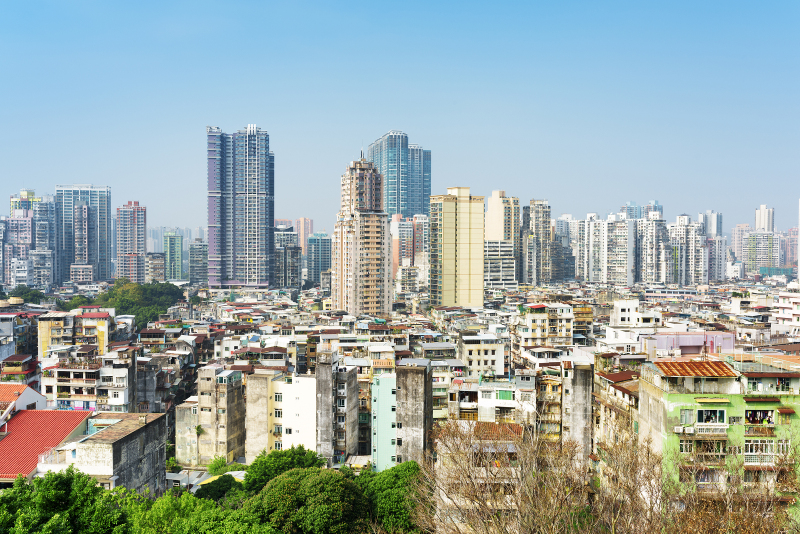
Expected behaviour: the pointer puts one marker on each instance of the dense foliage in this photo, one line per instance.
(27, 294)
(219, 466)
(145, 301)
(268, 466)
(295, 499)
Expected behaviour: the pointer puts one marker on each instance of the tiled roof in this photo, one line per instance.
(100, 315)
(708, 369)
(11, 392)
(27, 438)
(619, 377)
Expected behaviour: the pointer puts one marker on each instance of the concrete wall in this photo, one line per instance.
(257, 415)
(577, 407)
(325, 406)
(414, 411)
(185, 434)
(140, 458)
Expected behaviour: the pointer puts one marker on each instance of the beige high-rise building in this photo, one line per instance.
(304, 228)
(361, 251)
(503, 217)
(456, 249)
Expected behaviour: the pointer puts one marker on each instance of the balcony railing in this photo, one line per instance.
(767, 431)
(759, 459)
(711, 429)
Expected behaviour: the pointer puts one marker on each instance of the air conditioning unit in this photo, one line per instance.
(688, 430)
(678, 430)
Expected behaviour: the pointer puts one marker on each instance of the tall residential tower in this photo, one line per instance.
(361, 255)
(98, 199)
(241, 206)
(406, 171)
(131, 241)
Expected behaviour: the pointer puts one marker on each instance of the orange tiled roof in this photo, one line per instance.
(31, 433)
(709, 368)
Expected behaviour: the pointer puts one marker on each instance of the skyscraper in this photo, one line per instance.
(131, 241)
(765, 219)
(98, 198)
(406, 171)
(361, 255)
(738, 237)
(456, 249)
(173, 256)
(25, 200)
(319, 256)
(198, 262)
(304, 228)
(537, 244)
(241, 205)
(712, 223)
(502, 223)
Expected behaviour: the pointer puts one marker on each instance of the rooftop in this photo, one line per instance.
(707, 369)
(26, 440)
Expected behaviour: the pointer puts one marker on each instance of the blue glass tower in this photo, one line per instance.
(406, 171)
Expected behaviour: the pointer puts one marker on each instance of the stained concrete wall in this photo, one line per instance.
(414, 411)
(186, 434)
(257, 415)
(578, 381)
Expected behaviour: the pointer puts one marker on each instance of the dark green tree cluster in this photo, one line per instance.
(27, 294)
(145, 301)
(289, 492)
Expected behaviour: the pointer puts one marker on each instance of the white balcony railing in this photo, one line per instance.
(711, 429)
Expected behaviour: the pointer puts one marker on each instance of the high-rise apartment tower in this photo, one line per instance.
(241, 205)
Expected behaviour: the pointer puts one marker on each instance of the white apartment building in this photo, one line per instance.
(502, 223)
(607, 252)
(542, 325)
(787, 315)
(654, 253)
(483, 354)
(499, 271)
(761, 249)
(690, 250)
(717, 256)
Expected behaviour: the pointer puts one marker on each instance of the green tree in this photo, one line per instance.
(387, 493)
(268, 466)
(311, 501)
(219, 466)
(64, 502)
(27, 294)
(217, 489)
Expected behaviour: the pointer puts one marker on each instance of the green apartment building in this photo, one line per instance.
(710, 418)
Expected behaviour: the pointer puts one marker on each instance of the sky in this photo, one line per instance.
(586, 104)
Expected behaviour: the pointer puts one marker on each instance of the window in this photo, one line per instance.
(205, 410)
(493, 362)
(278, 429)
(394, 425)
(737, 420)
(759, 446)
(278, 446)
(394, 458)
(687, 446)
(115, 395)
(394, 392)
(340, 419)
(759, 417)
(221, 411)
(783, 447)
(486, 394)
(566, 392)
(399, 425)
(687, 417)
(493, 352)
(710, 416)
(279, 397)
(288, 430)
(394, 442)
(278, 413)
(394, 408)
(340, 403)
(194, 410)
(399, 441)
(504, 394)
(399, 459)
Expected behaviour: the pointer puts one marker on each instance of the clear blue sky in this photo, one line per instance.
(587, 104)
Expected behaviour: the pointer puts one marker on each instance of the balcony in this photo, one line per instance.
(765, 431)
(759, 459)
(710, 429)
(465, 405)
